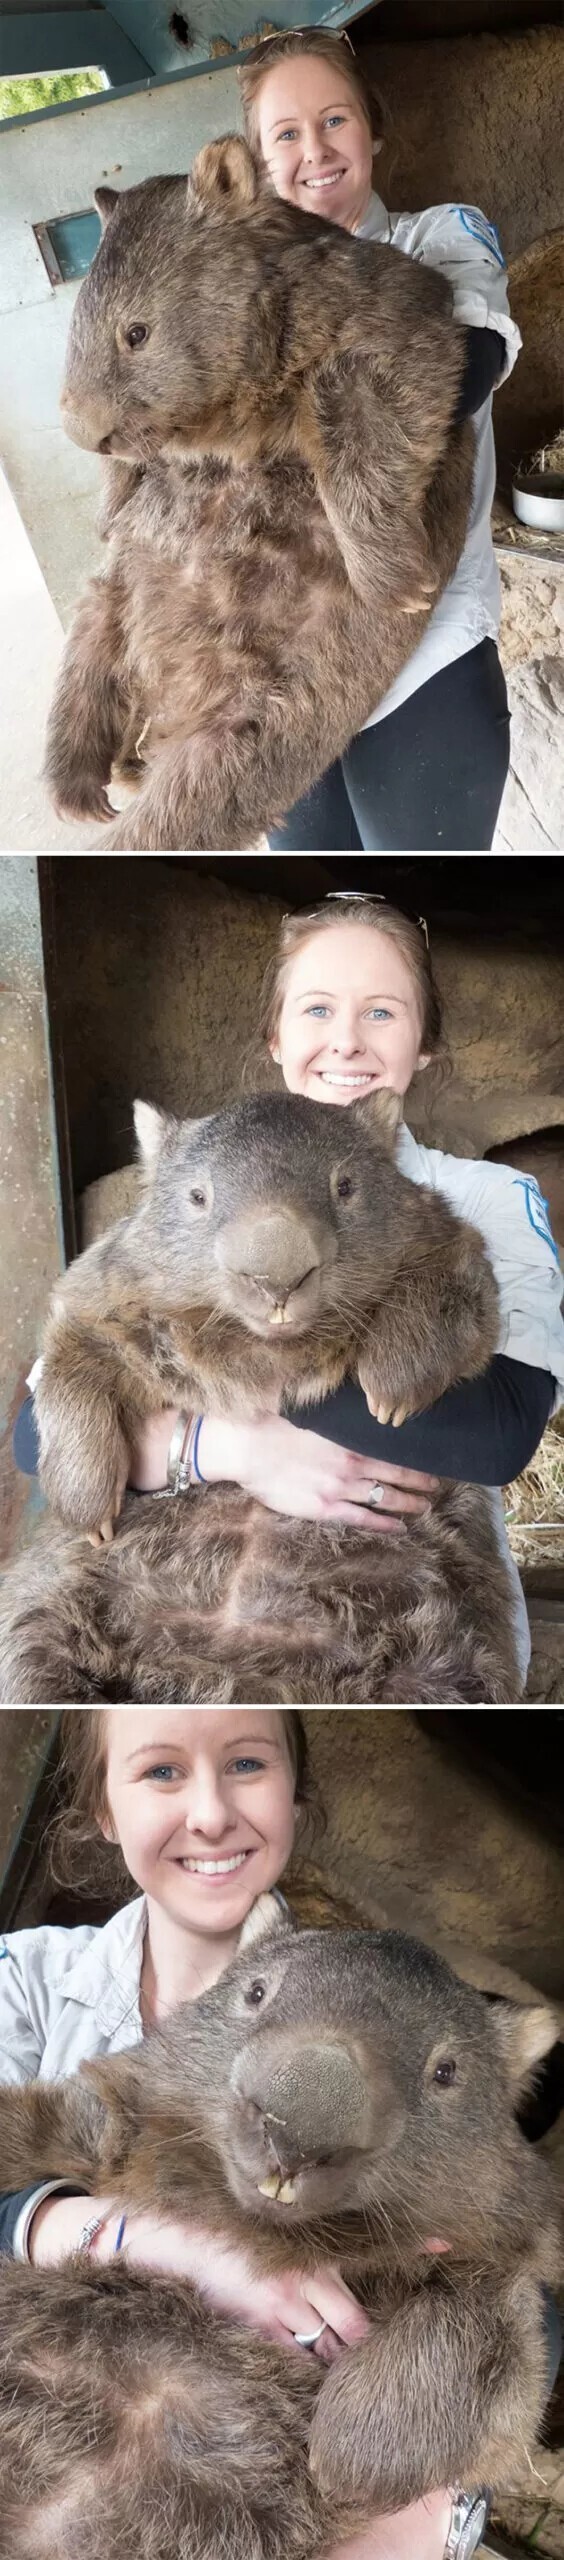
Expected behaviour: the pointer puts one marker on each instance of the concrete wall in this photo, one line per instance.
(31, 1225)
(49, 168)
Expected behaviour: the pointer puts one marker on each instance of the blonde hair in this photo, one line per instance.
(297, 929)
(305, 42)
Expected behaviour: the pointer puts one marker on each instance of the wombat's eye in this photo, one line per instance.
(345, 1187)
(254, 1995)
(445, 2074)
(197, 1198)
(137, 334)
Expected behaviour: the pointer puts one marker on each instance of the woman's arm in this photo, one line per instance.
(307, 1478)
(484, 365)
(481, 1432)
(484, 1431)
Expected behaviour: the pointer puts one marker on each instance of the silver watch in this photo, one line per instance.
(470, 2510)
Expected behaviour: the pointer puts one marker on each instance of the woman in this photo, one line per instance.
(428, 770)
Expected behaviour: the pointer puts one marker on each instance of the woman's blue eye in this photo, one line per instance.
(162, 1769)
(380, 1013)
(318, 1008)
(246, 1764)
(334, 119)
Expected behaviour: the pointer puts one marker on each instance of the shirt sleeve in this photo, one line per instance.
(20, 2047)
(458, 239)
(512, 1216)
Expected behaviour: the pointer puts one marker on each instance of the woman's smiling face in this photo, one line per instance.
(350, 1018)
(315, 139)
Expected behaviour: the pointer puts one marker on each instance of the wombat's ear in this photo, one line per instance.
(381, 1113)
(267, 1915)
(224, 178)
(152, 1128)
(105, 199)
(525, 2035)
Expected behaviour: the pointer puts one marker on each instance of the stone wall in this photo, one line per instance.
(531, 817)
(479, 120)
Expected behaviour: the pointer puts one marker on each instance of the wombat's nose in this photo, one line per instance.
(87, 421)
(277, 1292)
(275, 1249)
(313, 2104)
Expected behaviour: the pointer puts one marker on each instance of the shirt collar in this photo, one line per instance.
(106, 1975)
(377, 223)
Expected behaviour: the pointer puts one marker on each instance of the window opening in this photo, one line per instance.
(27, 95)
(68, 244)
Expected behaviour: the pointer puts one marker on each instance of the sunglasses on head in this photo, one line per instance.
(339, 35)
(361, 898)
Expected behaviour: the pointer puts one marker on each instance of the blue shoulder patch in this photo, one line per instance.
(537, 1210)
(481, 230)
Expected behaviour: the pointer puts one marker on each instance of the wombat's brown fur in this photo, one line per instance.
(296, 500)
(278, 1248)
(374, 2095)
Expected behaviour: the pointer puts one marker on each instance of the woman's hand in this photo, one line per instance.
(277, 2306)
(299, 1473)
(415, 2533)
(295, 1472)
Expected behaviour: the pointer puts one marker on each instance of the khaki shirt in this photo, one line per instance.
(70, 1995)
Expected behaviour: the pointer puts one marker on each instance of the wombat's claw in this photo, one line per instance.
(102, 1537)
(392, 1413)
(97, 808)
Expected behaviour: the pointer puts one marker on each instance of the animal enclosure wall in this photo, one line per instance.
(185, 942)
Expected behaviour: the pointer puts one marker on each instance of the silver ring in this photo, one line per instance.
(312, 2337)
(375, 1496)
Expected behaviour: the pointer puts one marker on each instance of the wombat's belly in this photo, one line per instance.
(223, 1598)
(233, 597)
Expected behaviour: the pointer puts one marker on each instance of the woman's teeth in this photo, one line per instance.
(331, 180)
(326, 1078)
(215, 1866)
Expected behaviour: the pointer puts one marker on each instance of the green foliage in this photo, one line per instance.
(22, 97)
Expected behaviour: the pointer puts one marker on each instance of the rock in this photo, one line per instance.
(529, 407)
(531, 817)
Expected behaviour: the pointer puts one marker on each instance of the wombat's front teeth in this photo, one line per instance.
(282, 2190)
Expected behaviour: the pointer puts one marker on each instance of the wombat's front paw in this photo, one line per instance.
(102, 1535)
(344, 2438)
(90, 801)
(392, 1403)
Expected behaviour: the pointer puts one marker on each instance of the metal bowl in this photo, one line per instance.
(538, 499)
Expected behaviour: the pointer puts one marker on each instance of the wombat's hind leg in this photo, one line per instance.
(89, 710)
(52, 1652)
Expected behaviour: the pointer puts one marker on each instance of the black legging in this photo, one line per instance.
(427, 779)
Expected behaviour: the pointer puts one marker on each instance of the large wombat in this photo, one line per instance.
(296, 500)
(337, 2096)
(278, 1247)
